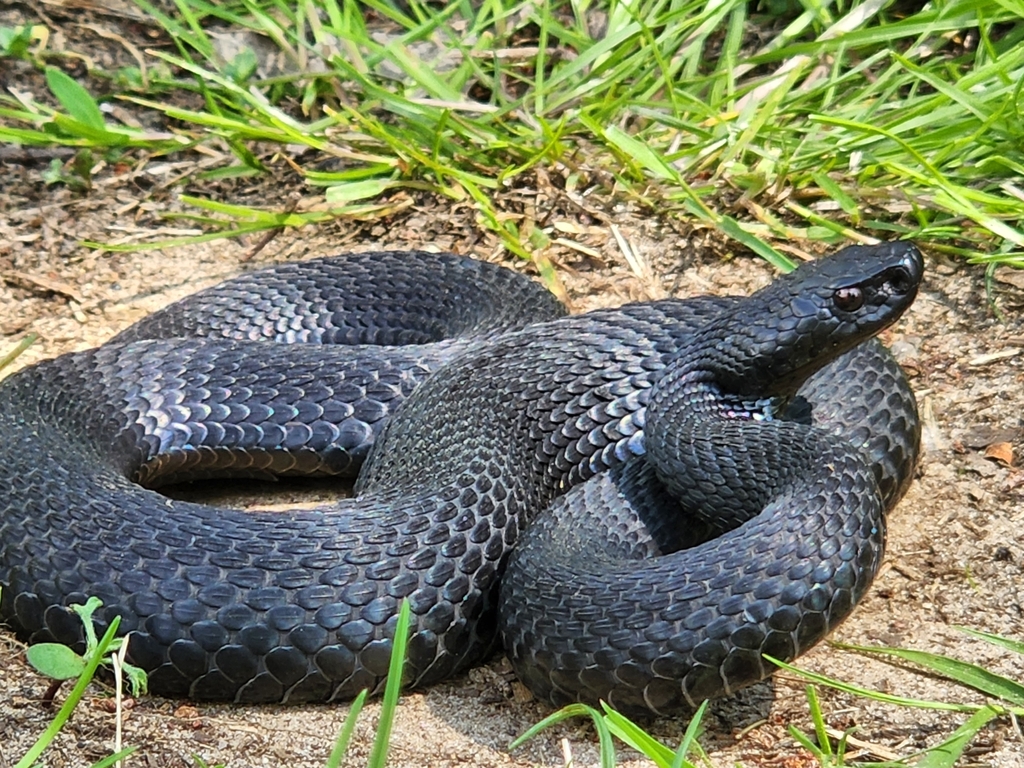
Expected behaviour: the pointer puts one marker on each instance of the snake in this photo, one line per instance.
(639, 504)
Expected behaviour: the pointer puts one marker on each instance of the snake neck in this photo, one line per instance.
(712, 429)
(725, 459)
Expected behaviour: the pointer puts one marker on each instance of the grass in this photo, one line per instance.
(105, 650)
(607, 723)
(97, 655)
(859, 121)
(1005, 698)
(109, 648)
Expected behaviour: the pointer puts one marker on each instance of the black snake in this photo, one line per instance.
(681, 485)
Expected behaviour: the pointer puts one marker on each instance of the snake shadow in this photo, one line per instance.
(488, 706)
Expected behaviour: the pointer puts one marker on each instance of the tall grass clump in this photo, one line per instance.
(803, 122)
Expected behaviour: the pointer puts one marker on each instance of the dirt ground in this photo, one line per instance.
(956, 542)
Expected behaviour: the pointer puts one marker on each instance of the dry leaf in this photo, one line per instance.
(41, 282)
(1001, 452)
(186, 712)
(992, 357)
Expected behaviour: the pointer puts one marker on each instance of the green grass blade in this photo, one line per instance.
(1003, 642)
(347, 729)
(661, 169)
(604, 735)
(75, 99)
(97, 137)
(805, 741)
(949, 752)
(359, 190)
(818, 719)
(962, 672)
(174, 242)
(392, 689)
(113, 759)
(689, 740)
(821, 747)
(735, 230)
(901, 701)
(636, 737)
(31, 138)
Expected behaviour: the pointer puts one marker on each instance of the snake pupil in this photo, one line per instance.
(849, 299)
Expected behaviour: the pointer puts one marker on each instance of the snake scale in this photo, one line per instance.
(637, 502)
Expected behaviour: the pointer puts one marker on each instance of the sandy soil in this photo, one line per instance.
(956, 543)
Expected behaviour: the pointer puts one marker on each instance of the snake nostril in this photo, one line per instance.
(901, 282)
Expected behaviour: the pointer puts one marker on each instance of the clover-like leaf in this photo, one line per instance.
(56, 661)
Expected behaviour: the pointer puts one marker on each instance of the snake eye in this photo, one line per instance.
(848, 299)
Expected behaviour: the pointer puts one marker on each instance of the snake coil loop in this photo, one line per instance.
(662, 492)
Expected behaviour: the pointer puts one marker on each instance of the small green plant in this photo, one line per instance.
(15, 41)
(78, 178)
(610, 723)
(59, 663)
(1006, 694)
(99, 651)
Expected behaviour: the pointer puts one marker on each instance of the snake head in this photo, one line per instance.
(781, 335)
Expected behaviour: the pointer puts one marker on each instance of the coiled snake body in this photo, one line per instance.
(682, 485)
